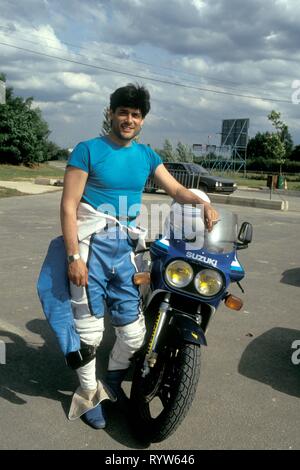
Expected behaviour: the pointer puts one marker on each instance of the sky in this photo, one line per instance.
(203, 61)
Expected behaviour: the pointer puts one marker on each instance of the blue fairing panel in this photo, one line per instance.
(54, 294)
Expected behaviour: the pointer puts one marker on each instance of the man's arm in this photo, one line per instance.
(182, 195)
(74, 183)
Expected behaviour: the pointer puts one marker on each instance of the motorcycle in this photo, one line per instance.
(187, 280)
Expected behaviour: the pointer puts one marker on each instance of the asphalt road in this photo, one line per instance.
(248, 395)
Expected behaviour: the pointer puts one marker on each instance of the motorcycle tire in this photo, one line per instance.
(173, 380)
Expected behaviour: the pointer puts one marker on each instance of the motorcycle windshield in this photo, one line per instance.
(223, 236)
(187, 225)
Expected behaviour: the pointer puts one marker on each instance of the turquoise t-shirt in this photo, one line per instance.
(117, 175)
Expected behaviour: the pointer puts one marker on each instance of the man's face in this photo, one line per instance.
(126, 123)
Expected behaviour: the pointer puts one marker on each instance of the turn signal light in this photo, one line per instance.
(141, 278)
(233, 302)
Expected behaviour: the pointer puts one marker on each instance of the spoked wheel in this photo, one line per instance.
(162, 398)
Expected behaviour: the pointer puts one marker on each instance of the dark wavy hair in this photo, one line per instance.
(131, 96)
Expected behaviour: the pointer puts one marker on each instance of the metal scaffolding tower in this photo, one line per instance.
(230, 156)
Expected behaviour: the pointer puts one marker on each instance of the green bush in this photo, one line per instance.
(273, 166)
(24, 133)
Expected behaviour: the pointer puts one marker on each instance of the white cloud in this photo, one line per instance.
(246, 48)
(49, 105)
(84, 97)
(78, 81)
(199, 4)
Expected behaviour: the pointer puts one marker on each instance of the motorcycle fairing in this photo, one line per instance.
(187, 329)
(162, 252)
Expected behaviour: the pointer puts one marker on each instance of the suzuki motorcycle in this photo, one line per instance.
(188, 279)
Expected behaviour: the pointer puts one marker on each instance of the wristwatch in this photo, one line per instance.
(74, 257)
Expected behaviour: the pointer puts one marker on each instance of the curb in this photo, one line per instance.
(249, 202)
(241, 201)
(218, 198)
(263, 189)
(28, 187)
(49, 181)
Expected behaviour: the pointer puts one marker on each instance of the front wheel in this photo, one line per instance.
(161, 399)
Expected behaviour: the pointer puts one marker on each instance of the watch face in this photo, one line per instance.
(72, 258)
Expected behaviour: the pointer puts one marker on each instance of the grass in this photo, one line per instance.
(262, 183)
(9, 192)
(259, 181)
(17, 173)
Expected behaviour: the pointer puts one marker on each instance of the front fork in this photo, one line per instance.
(151, 354)
(186, 328)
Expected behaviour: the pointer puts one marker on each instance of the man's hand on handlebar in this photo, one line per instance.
(211, 216)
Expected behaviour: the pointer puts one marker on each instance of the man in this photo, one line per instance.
(100, 173)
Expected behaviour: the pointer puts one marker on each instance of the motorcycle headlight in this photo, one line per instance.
(179, 274)
(208, 282)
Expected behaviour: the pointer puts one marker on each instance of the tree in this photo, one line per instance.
(275, 146)
(184, 152)
(256, 146)
(167, 153)
(106, 123)
(283, 132)
(23, 131)
(288, 142)
(54, 152)
(266, 145)
(295, 155)
(275, 149)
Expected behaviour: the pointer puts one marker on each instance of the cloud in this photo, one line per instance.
(83, 97)
(78, 81)
(248, 48)
(222, 29)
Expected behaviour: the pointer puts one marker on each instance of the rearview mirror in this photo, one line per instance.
(245, 235)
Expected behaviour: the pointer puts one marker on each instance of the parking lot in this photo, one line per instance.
(248, 395)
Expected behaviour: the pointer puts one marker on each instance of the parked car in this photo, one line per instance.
(192, 175)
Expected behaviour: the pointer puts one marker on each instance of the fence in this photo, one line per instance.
(189, 180)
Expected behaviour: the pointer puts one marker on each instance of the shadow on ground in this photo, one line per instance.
(34, 368)
(37, 369)
(268, 359)
(291, 277)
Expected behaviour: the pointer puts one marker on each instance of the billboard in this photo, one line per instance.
(211, 148)
(2, 92)
(235, 132)
(197, 147)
